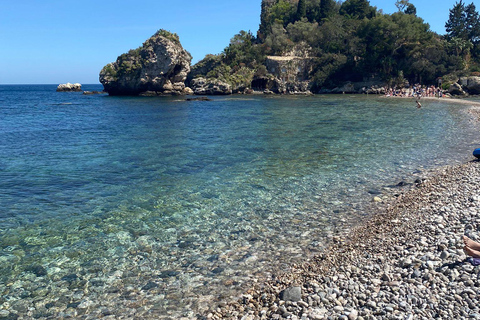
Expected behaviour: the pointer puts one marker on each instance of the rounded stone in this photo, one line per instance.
(291, 294)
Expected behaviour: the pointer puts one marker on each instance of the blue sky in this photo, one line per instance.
(53, 41)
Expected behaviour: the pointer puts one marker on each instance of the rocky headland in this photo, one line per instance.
(160, 66)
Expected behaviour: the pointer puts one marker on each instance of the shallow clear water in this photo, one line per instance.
(160, 206)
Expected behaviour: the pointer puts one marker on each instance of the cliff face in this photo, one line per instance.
(160, 66)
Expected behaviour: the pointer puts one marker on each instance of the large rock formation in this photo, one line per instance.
(160, 66)
(470, 84)
(456, 90)
(465, 86)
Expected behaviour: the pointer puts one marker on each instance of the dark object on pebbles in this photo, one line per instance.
(38, 270)
(291, 294)
(70, 277)
(476, 153)
(168, 274)
(149, 285)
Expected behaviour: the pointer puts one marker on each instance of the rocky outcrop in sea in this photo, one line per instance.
(69, 87)
(159, 67)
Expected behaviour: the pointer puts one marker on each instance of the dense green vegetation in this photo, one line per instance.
(353, 41)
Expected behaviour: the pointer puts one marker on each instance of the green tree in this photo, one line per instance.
(406, 7)
(390, 39)
(241, 50)
(277, 41)
(456, 25)
(472, 23)
(282, 12)
(411, 9)
(358, 9)
(301, 9)
(334, 34)
(462, 46)
(304, 31)
(327, 67)
(430, 61)
(402, 5)
(463, 31)
(326, 9)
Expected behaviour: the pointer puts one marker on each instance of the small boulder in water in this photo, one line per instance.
(69, 87)
(199, 99)
(291, 294)
(93, 92)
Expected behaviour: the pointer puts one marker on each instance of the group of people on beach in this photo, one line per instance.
(416, 91)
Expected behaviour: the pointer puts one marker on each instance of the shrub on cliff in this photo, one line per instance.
(168, 35)
(203, 67)
(235, 65)
(239, 77)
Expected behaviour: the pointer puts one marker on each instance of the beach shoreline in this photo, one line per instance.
(405, 262)
(443, 99)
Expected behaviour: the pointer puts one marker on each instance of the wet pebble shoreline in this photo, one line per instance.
(407, 262)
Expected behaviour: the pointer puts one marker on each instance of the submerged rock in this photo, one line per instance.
(161, 65)
(38, 270)
(69, 87)
(92, 92)
(291, 294)
(198, 99)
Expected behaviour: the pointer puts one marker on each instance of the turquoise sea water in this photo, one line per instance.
(158, 207)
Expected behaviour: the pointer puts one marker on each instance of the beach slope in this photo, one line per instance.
(406, 262)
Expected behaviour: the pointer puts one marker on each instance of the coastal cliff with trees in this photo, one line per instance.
(345, 46)
(159, 66)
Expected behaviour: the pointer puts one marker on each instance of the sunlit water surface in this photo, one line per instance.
(158, 207)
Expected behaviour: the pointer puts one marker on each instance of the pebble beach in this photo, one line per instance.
(405, 262)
